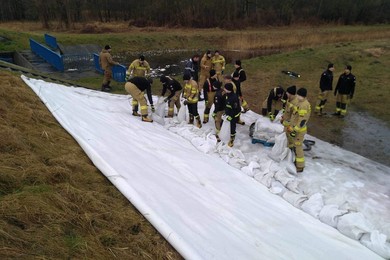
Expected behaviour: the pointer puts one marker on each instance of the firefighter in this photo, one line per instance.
(190, 94)
(192, 67)
(219, 109)
(175, 89)
(232, 111)
(298, 127)
(326, 85)
(138, 68)
(205, 67)
(344, 90)
(209, 88)
(241, 77)
(106, 62)
(274, 103)
(291, 105)
(237, 84)
(136, 87)
(218, 64)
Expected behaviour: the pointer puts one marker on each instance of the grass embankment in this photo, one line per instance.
(55, 204)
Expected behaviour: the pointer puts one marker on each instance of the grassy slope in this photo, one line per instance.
(54, 202)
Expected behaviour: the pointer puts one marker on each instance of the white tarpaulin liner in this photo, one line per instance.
(185, 185)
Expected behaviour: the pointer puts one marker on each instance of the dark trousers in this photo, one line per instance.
(193, 109)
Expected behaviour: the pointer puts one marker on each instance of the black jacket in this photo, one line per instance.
(346, 85)
(172, 85)
(326, 80)
(238, 87)
(242, 74)
(219, 101)
(273, 95)
(144, 85)
(232, 106)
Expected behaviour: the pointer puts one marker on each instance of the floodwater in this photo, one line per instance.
(172, 62)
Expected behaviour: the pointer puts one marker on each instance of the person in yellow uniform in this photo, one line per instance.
(136, 87)
(291, 105)
(191, 95)
(138, 68)
(218, 64)
(298, 127)
(106, 62)
(205, 67)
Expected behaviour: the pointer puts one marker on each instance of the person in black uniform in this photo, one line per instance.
(241, 77)
(209, 88)
(219, 108)
(232, 110)
(344, 91)
(326, 85)
(175, 89)
(274, 102)
(136, 87)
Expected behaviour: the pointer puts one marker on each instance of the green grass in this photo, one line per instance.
(370, 62)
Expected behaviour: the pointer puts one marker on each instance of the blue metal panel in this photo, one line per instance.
(48, 55)
(51, 41)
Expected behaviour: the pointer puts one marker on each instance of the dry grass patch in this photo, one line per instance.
(54, 203)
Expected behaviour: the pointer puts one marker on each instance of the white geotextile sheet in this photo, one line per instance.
(204, 207)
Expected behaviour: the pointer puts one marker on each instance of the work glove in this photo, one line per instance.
(185, 102)
(153, 110)
(229, 118)
(214, 115)
(289, 129)
(271, 116)
(128, 76)
(293, 134)
(166, 100)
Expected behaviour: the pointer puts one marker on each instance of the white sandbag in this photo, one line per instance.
(160, 107)
(279, 150)
(267, 179)
(283, 176)
(377, 243)
(259, 174)
(224, 134)
(277, 188)
(330, 214)
(249, 169)
(313, 205)
(158, 119)
(353, 225)
(182, 114)
(295, 199)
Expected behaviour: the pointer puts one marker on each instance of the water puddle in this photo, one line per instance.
(367, 136)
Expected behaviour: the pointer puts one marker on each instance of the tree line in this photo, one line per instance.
(197, 13)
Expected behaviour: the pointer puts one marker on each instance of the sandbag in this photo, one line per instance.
(330, 214)
(224, 134)
(313, 205)
(182, 114)
(353, 225)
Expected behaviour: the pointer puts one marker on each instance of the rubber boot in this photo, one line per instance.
(205, 118)
(240, 121)
(135, 111)
(198, 123)
(146, 119)
(191, 120)
(264, 111)
(231, 141)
